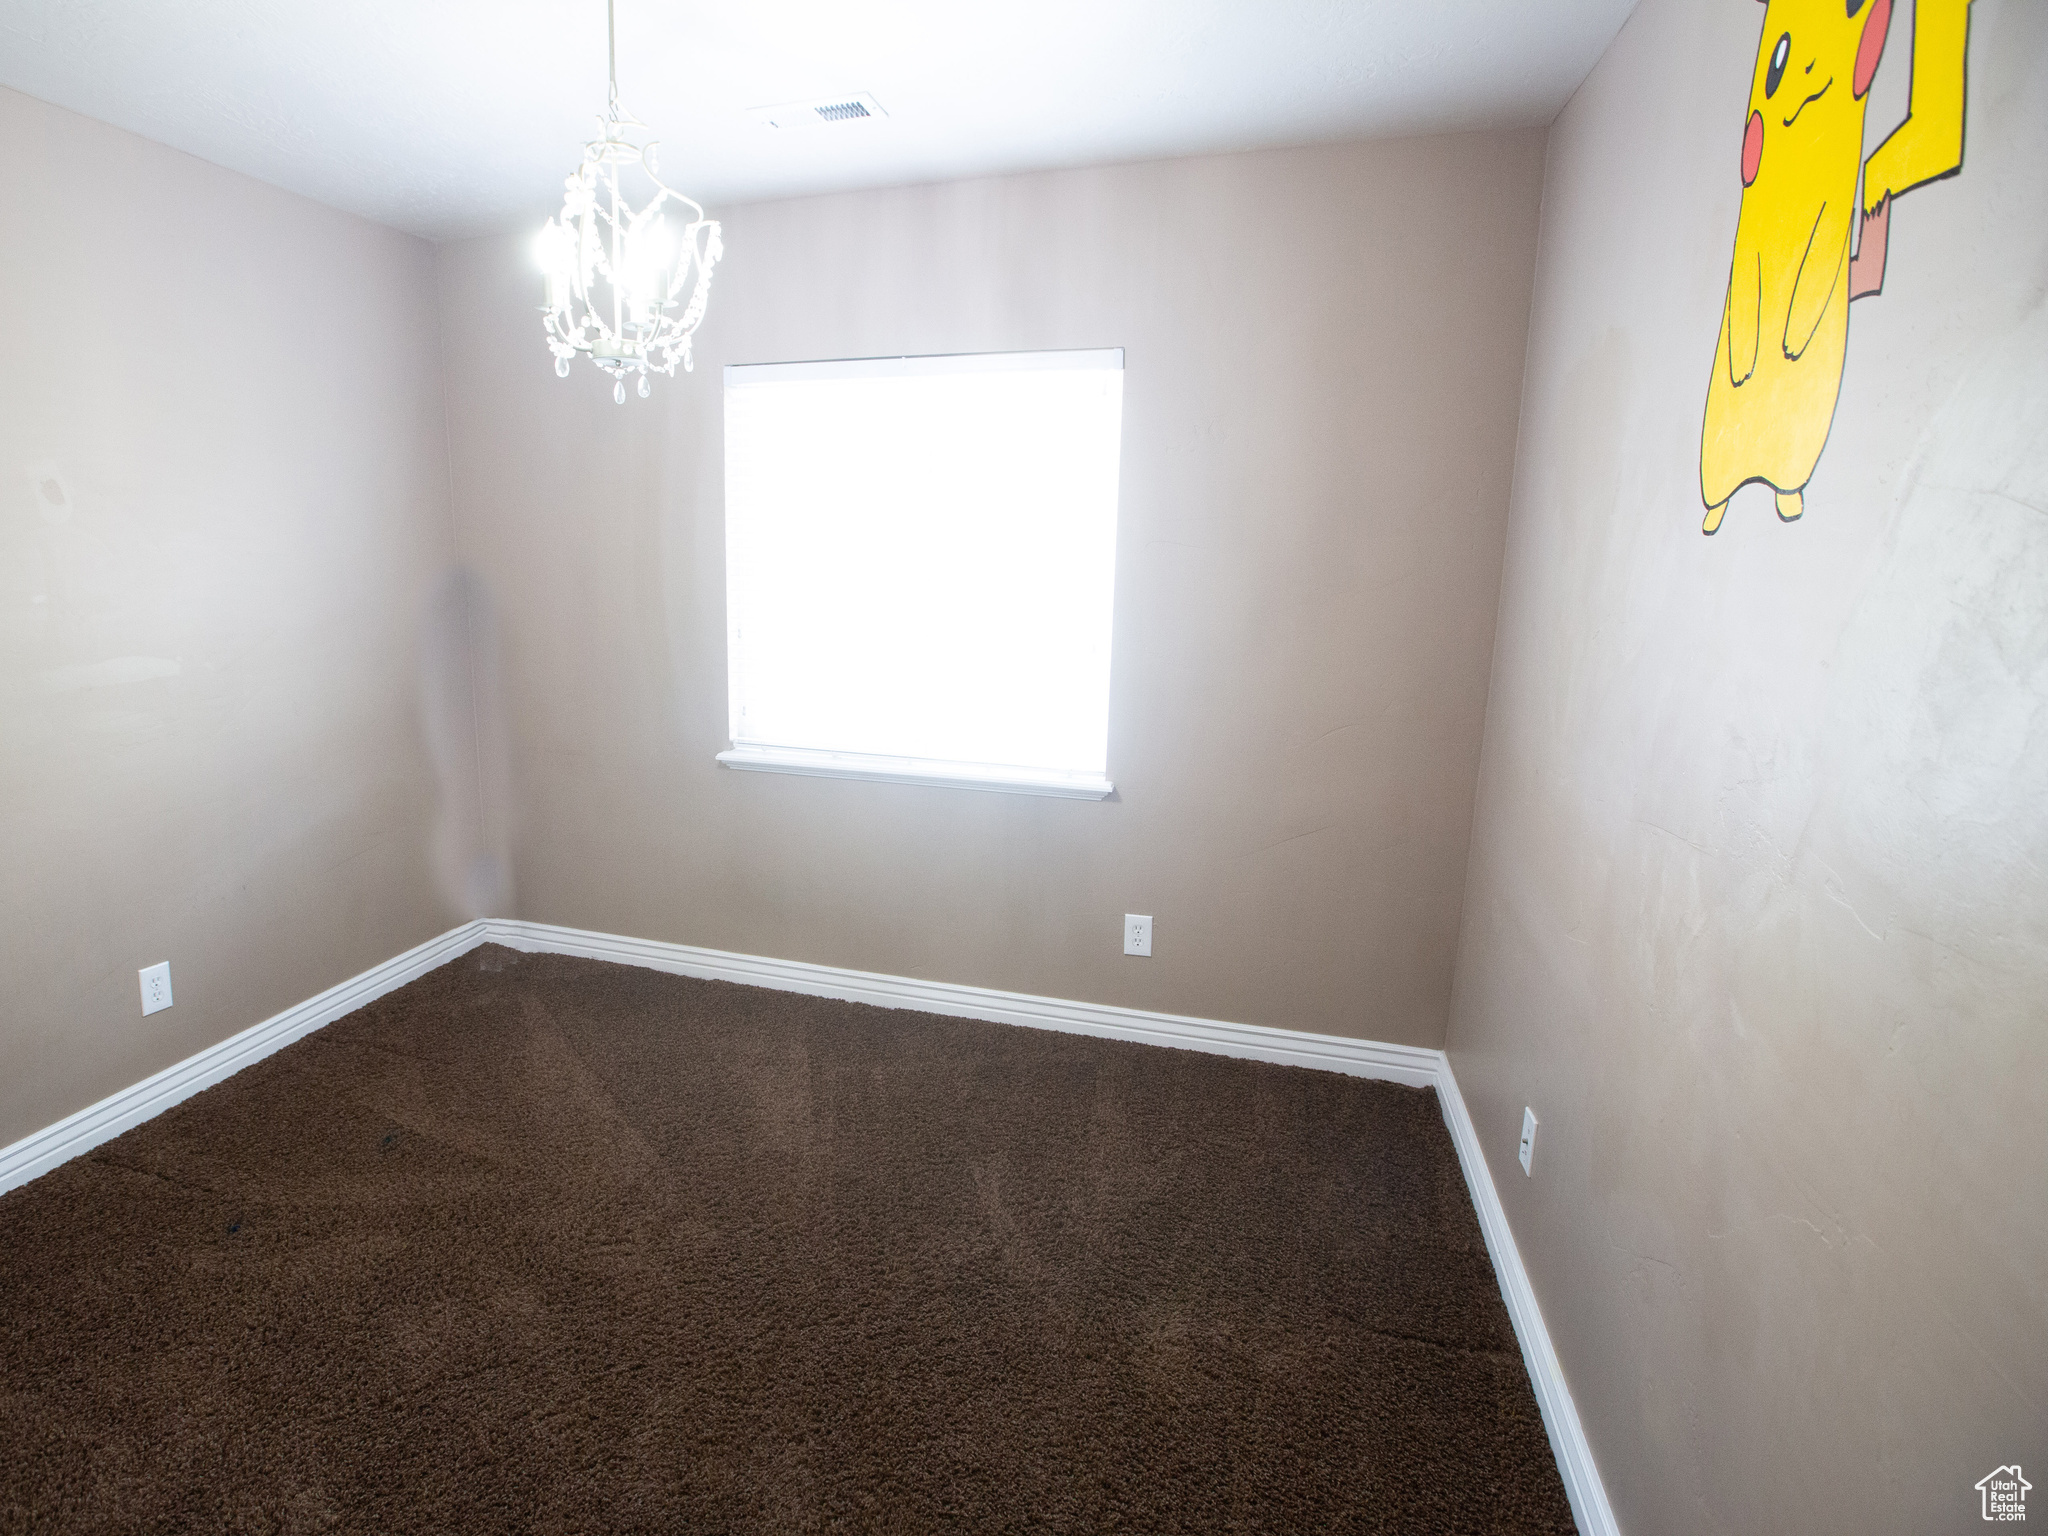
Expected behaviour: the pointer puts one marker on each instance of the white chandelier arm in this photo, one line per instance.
(702, 259)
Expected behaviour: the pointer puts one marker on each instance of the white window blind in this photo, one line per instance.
(920, 560)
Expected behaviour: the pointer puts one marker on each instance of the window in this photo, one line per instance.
(920, 559)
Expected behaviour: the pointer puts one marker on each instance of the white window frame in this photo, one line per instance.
(818, 763)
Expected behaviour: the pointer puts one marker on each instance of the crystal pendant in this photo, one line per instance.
(619, 392)
(644, 390)
(561, 367)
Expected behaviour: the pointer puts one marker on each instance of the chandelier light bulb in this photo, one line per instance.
(615, 276)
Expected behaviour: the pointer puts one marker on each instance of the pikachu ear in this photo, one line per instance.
(1871, 48)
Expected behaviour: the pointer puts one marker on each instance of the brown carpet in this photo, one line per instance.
(539, 1244)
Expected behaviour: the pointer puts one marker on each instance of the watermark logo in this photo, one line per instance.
(2005, 1494)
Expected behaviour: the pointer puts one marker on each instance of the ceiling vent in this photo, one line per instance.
(820, 113)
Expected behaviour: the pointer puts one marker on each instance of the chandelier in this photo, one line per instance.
(616, 276)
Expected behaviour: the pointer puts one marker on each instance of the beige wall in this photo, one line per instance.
(1758, 908)
(210, 748)
(1324, 353)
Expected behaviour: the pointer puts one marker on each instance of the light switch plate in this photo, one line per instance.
(156, 988)
(1528, 1137)
(1137, 934)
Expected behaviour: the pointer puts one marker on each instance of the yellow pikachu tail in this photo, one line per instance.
(1928, 145)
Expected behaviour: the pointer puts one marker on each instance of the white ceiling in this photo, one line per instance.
(456, 117)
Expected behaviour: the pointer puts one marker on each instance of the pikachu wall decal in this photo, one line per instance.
(1785, 325)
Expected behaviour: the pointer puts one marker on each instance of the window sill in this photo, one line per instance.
(918, 770)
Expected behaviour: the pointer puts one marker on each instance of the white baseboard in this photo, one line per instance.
(1335, 1053)
(1413, 1065)
(1582, 1485)
(79, 1133)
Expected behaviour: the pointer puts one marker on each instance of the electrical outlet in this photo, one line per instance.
(1137, 934)
(156, 988)
(1528, 1137)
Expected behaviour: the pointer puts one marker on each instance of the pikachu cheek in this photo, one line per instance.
(1752, 147)
(1871, 48)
